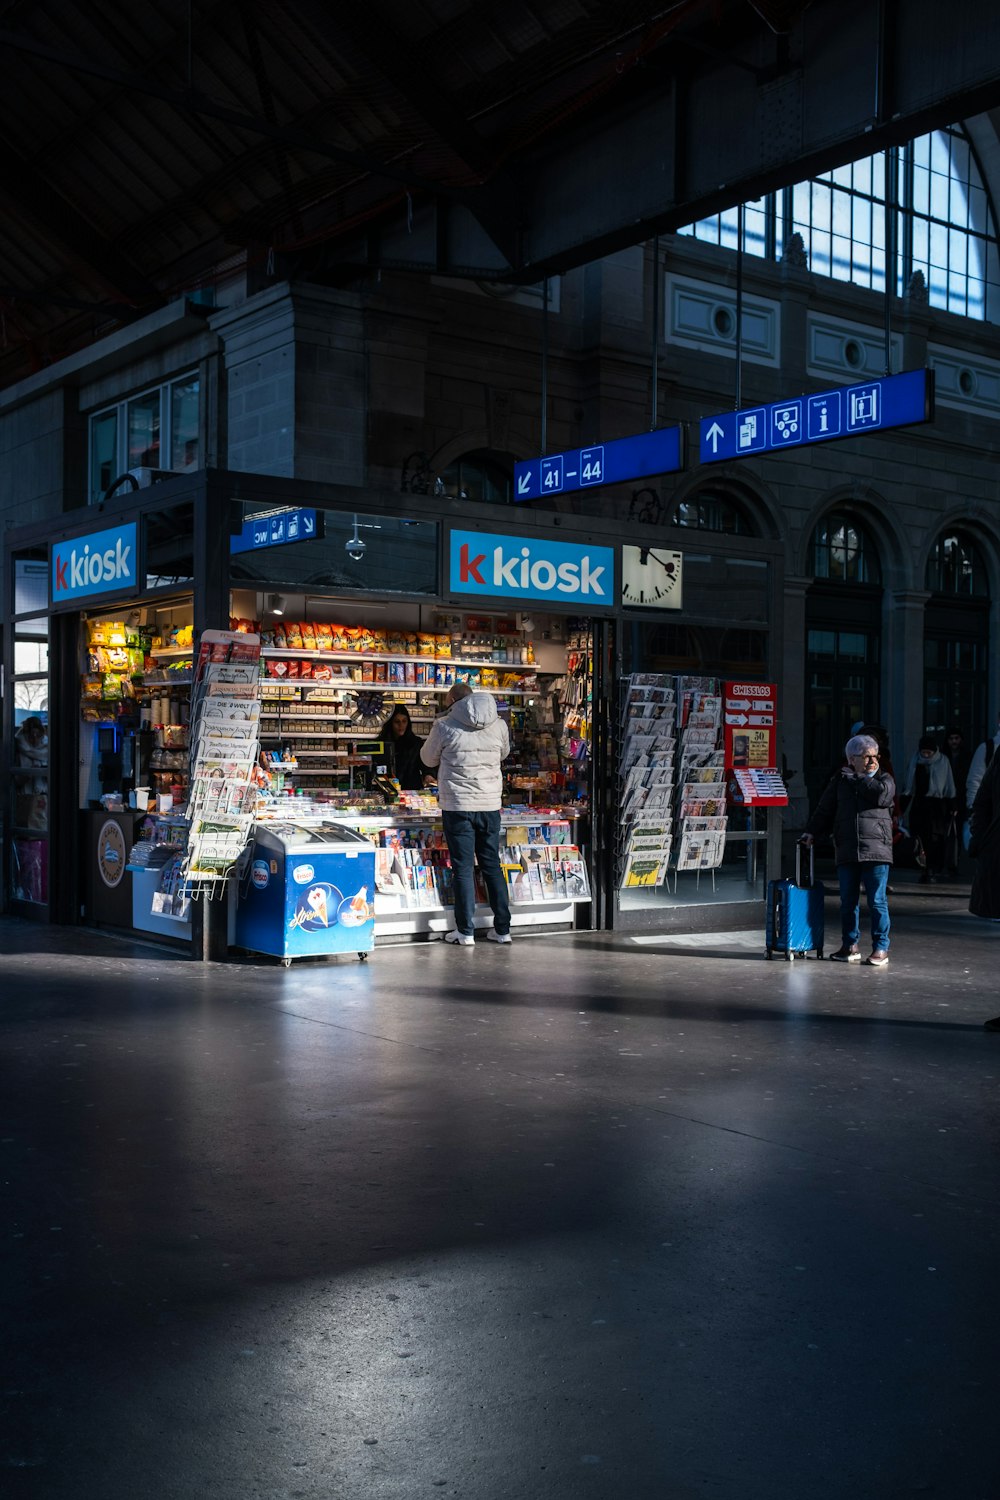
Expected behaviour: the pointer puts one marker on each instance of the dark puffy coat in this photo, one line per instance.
(858, 811)
(984, 844)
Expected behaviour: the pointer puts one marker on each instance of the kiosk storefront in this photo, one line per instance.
(361, 604)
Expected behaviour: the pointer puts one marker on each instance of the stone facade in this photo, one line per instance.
(348, 386)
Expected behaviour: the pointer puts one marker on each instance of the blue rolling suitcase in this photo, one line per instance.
(795, 912)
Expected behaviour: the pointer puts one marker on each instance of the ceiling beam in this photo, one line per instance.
(84, 249)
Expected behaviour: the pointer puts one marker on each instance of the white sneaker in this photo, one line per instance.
(464, 938)
(498, 937)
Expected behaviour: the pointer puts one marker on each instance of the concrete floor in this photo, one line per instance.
(585, 1217)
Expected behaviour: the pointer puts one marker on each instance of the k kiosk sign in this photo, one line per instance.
(571, 576)
(103, 562)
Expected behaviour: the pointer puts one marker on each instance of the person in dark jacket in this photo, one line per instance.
(857, 808)
(984, 846)
(402, 750)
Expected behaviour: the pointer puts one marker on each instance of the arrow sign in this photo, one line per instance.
(737, 719)
(847, 411)
(713, 435)
(639, 457)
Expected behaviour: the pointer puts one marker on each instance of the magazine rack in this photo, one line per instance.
(225, 720)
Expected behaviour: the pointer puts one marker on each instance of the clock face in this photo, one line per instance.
(651, 577)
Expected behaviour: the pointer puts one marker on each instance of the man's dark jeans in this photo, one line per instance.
(476, 836)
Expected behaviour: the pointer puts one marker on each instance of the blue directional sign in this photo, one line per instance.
(659, 452)
(275, 528)
(848, 411)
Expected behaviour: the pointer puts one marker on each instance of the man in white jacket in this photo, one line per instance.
(465, 747)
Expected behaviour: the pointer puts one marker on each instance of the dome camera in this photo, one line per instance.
(354, 546)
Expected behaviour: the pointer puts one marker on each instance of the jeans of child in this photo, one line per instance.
(875, 878)
(475, 836)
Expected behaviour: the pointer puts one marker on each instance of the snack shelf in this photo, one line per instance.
(297, 653)
(172, 651)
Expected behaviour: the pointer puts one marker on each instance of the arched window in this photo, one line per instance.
(480, 476)
(957, 566)
(712, 511)
(956, 636)
(843, 551)
(945, 224)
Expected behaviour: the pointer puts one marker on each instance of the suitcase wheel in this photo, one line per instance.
(768, 953)
(789, 956)
(819, 953)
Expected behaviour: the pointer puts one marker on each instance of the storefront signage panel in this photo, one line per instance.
(639, 457)
(102, 562)
(564, 574)
(276, 529)
(849, 411)
(750, 717)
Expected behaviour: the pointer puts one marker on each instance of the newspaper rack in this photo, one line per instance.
(225, 718)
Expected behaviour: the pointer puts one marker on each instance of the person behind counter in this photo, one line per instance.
(402, 751)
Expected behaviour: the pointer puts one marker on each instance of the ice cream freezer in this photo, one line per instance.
(307, 892)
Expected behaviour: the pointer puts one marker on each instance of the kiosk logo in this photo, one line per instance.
(519, 567)
(94, 564)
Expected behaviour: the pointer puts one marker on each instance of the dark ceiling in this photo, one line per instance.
(145, 149)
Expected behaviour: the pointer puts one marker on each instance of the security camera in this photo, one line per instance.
(355, 548)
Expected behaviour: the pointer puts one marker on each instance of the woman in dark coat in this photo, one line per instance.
(402, 750)
(984, 846)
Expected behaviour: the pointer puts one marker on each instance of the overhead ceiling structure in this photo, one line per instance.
(144, 149)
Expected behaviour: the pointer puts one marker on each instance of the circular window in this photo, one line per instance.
(967, 382)
(854, 354)
(723, 322)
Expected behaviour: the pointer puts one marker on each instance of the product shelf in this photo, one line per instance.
(172, 651)
(296, 653)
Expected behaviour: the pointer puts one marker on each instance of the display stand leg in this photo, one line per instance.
(209, 936)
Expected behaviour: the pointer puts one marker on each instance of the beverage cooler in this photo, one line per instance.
(308, 892)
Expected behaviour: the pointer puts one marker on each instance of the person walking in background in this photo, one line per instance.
(984, 846)
(930, 805)
(857, 808)
(981, 760)
(466, 746)
(958, 756)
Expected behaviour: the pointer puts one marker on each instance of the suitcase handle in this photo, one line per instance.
(800, 853)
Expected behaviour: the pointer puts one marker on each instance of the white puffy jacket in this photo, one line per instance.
(466, 747)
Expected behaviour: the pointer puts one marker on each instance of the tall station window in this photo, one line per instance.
(714, 510)
(155, 429)
(956, 637)
(480, 476)
(843, 639)
(943, 218)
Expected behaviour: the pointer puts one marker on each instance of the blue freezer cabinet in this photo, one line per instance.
(308, 892)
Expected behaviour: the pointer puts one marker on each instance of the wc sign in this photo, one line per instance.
(96, 564)
(523, 567)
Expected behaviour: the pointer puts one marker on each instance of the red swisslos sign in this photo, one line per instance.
(750, 715)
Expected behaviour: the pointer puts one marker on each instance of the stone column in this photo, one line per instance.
(792, 690)
(903, 673)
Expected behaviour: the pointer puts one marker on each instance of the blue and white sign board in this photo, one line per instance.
(848, 411)
(659, 452)
(99, 563)
(275, 528)
(490, 565)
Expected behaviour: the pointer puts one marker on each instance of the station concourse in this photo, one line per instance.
(594, 1216)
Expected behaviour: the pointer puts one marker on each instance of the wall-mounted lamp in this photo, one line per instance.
(527, 625)
(276, 604)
